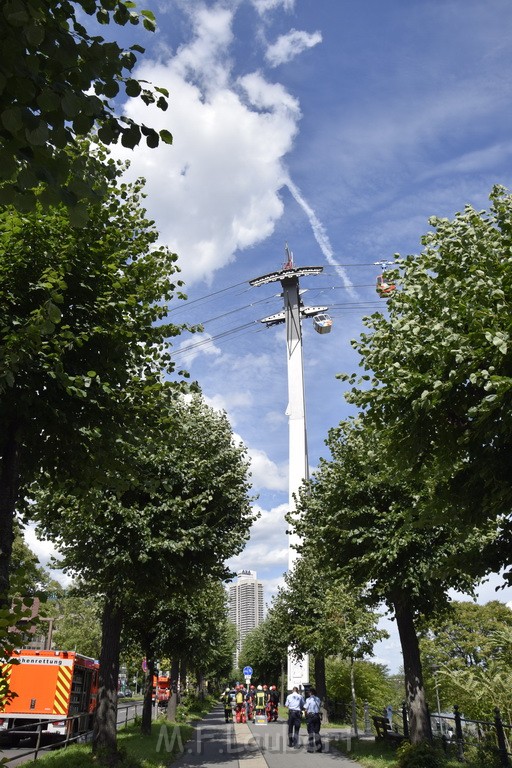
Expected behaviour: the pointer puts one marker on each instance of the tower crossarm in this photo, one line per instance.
(286, 274)
(280, 317)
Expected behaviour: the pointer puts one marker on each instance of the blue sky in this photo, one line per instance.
(338, 127)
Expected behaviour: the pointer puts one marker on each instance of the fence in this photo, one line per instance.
(456, 733)
(130, 713)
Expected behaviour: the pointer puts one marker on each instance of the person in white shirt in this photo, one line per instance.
(295, 704)
(312, 709)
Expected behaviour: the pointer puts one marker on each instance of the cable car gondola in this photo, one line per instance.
(384, 289)
(322, 323)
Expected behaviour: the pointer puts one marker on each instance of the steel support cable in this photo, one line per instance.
(211, 339)
(330, 271)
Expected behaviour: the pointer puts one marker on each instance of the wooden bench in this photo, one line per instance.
(385, 730)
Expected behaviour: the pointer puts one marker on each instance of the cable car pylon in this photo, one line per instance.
(292, 315)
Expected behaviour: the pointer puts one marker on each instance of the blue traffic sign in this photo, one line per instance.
(247, 671)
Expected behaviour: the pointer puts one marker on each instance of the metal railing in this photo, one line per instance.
(457, 734)
(131, 712)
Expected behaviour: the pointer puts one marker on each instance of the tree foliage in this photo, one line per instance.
(264, 649)
(371, 680)
(57, 84)
(185, 511)
(361, 517)
(82, 316)
(78, 624)
(468, 647)
(467, 635)
(441, 372)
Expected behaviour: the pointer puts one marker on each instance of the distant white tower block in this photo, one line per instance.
(246, 606)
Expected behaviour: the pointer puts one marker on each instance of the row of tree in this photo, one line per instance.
(415, 499)
(104, 446)
(466, 651)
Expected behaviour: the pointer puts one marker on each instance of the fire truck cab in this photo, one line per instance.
(56, 694)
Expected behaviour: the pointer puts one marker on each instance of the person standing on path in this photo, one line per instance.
(228, 711)
(312, 710)
(295, 704)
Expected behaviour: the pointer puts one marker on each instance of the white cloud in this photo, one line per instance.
(267, 551)
(44, 551)
(264, 6)
(42, 548)
(216, 189)
(472, 162)
(288, 46)
(200, 344)
(265, 473)
(203, 60)
(321, 237)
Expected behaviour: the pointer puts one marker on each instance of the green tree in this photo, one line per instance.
(186, 511)
(370, 680)
(78, 624)
(324, 617)
(351, 631)
(264, 649)
(465, 636)
(28, 578)
(361, 517)
(479, 690)
(57, 84)
(441, 374)
(81, 318)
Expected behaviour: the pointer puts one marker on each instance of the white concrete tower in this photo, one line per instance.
(292, 314)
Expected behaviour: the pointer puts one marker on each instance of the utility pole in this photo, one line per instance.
(292, 314)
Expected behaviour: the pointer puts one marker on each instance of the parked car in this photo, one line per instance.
(125, 693)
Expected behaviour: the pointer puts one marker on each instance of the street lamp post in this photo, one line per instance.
(49, 635)
(435, 670)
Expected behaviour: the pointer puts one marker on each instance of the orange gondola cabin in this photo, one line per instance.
(384, 287)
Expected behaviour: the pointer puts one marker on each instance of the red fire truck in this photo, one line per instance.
(161, 689)
(51, 687)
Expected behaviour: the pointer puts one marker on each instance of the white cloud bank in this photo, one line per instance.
(216, 189)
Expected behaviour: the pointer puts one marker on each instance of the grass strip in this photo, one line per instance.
(158, 750)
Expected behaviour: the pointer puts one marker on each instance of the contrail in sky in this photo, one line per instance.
(321, 237)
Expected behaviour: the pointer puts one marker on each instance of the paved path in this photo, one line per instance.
(219, 745)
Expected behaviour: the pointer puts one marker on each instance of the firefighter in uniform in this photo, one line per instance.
(260, 701)
(228, 711)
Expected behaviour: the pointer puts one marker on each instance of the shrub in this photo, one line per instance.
(422, 755)
(482, 755)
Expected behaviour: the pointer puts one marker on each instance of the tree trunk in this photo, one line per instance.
(183, 677)
(9, 490)
(147, 705)
(174, 697)
(353, 698)
(200, 685)
(419, 722)
(104, 740)
(320, 685)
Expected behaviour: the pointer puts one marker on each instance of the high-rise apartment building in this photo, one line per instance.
(245, 606)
